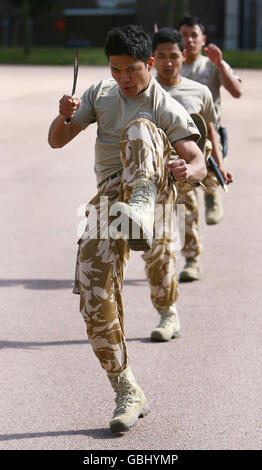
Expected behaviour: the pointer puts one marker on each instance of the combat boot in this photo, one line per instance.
(131, 402)
(214, 208)
(169, 326)
(192, 270)
(137, 216)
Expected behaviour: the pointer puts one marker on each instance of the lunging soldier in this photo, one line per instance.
(137, 125)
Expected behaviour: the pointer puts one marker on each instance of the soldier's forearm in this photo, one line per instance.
(190, 152)
(231, 83)
(60, 133)
(198, 170)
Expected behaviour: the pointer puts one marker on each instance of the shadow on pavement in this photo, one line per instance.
(100, 433)
(36, 344)
(38, 284)
(49, 284)
(135, 282)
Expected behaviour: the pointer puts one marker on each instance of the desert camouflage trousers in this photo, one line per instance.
(102, 260)
(193, 245)
(210, 181)
(193, 241)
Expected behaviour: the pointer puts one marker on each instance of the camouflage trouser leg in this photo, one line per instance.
(193, 239)
(161, 273)
(144, 153)
(101, 262)
(99, 281)
(211, 182)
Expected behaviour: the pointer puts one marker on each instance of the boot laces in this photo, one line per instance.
(125, 397)
(167, 321)
(141, 195)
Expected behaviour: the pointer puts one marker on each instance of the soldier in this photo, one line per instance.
(169, 53)
(213, 71)
(138, 124)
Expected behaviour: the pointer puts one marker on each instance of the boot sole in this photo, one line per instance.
(120, 426)
(213, 222)
(185, 277)
(156, 336)
(189, 278)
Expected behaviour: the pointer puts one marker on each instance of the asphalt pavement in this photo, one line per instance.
(205, 387)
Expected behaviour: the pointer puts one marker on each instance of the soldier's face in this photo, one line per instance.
(132, 75)
(168, 62)
(194, 40)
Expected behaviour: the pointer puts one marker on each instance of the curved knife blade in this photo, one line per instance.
(75, 74)
(214, 167)
(67, 120)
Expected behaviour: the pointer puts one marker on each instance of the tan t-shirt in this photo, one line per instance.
(105, 104)
(203, 70)
(195, 97)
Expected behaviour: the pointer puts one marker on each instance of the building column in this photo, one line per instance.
(259, 25)
(232, 17)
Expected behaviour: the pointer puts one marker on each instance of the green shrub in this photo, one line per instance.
(96, 56)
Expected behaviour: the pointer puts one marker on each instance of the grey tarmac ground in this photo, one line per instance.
(205, 387)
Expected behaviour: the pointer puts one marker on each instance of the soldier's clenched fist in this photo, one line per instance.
(68, 106)
(179, 168)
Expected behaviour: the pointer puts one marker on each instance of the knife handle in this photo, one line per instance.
(68, 120)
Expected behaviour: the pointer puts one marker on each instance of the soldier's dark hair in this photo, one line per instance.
(129, 40)
(167, 35)
(192, 21)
